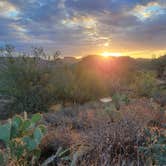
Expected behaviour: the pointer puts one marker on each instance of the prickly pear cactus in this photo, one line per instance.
(5, 131)
(21, 137)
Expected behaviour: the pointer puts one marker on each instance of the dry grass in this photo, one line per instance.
(95, 139)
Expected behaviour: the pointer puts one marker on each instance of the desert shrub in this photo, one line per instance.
(73, 118)
(63, 84)
(159, 65)
(89, 86)
(160, 97)
(100, 136)
(71, 85)
(118, 99)
(24, 78)
(21, 138)
(144, 84)
(109, 143)
(33, 85)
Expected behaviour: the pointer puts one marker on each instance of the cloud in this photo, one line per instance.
(80, 27)
(88, 5)
(149, 10)
(8, 10)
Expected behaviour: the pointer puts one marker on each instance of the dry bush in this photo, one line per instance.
(61, 137)
(143, 110)
(94, 139)
(76, 118)
(111, 143)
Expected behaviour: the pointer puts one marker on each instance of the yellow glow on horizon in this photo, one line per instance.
(108, 54)
(78, 57)
(147, 54)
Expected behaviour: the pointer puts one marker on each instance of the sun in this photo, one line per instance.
(108, 54)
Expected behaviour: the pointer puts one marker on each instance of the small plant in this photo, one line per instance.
(112, 109)
(21, 138)
(118, 99)
(154, 148)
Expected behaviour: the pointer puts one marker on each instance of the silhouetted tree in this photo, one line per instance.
(160, 65)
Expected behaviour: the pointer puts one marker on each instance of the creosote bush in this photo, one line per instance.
(144, 84)
(159, 65)
(24, 79)
(70, 86)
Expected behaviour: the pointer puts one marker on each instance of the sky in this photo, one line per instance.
(83, 27)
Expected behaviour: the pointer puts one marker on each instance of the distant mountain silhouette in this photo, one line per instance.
(106, 64)
(97, 63)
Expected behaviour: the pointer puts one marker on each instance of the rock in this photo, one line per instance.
(106, 100)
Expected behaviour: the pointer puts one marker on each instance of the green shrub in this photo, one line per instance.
(144, 84)
(71, 85)
(89, 86)
(21, 138)
(119, 99)
(159, 65)
(63, 84)
(25, 80)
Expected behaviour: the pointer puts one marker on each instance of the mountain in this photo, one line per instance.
(107, 64)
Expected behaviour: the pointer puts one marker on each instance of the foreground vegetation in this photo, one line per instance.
(76, 127)
(21, 139)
